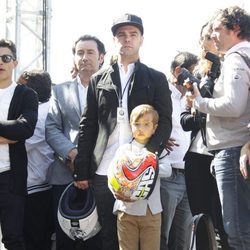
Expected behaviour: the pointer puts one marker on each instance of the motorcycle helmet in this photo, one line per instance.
(133, 174)
(77, 213)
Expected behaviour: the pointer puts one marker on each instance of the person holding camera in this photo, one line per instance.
(176, 216)
(201, 185)
(228, 113)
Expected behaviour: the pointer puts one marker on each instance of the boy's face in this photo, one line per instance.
(143, 128)
(6, 68)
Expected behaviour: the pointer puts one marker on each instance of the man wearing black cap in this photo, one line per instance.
(113, 92)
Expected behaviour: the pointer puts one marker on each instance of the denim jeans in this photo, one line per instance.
(234, 194)
(176, 213)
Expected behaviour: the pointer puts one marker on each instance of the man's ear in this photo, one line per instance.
(177, 71)
(236, 28)
(15, 63)
(101, 58)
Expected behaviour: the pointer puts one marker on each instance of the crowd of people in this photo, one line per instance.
(197, 120)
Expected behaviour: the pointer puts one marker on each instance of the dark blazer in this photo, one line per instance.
(99, 118)
(22, 118)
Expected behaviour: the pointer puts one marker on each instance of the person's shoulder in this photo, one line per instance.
(151, 70)
(63, 84)
(126, 146)
(22, 88)
(104, 70)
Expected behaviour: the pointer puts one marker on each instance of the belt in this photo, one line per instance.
(179, 170)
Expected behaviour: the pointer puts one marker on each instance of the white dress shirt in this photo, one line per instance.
(122, 132)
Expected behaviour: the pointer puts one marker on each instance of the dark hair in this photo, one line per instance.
(184, 60)
(4, 43)
(39, 81)
(235, 16)
(100, 45)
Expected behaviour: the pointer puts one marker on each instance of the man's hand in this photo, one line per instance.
(245, 160)
(195, 91)
(119, 196)
(170, 144)
(71, 158)
(189, 99)
(4, 140)
(82, 184)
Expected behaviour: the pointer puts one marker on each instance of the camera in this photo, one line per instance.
(215, 68)
(186, 79)
(206, 85)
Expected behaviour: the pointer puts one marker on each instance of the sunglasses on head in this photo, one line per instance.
(7, 58)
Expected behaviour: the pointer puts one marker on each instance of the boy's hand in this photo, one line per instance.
(120, 196)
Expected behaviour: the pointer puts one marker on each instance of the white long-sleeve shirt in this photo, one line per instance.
(182, 138)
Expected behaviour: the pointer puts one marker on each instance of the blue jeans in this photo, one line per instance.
(234, 194)
(176, 213)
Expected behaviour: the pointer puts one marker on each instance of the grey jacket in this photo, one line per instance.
(62, 126)
(229, 110)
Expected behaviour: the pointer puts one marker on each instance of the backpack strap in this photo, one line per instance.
(245, 57)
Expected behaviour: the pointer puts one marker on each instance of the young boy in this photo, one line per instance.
(139, 222)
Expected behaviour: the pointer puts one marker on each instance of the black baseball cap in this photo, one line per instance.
(127, 19)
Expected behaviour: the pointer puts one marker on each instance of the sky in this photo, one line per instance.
(169, 27)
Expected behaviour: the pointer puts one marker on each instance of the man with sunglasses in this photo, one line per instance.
(18, 117)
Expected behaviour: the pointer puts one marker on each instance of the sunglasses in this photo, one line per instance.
(7, 58)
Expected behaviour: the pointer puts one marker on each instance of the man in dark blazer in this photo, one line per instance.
(18, 117)
(113, 93)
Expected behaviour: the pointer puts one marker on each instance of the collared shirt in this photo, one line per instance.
(6, 95)
(122, 132)
(182, 138)
(82, 93)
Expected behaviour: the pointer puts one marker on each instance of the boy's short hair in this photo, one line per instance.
(143, 109)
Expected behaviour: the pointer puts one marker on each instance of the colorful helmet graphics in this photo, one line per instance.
(133, 174)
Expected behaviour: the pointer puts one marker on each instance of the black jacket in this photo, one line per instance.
(99, 119)
(194, 123)
(22, 118)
